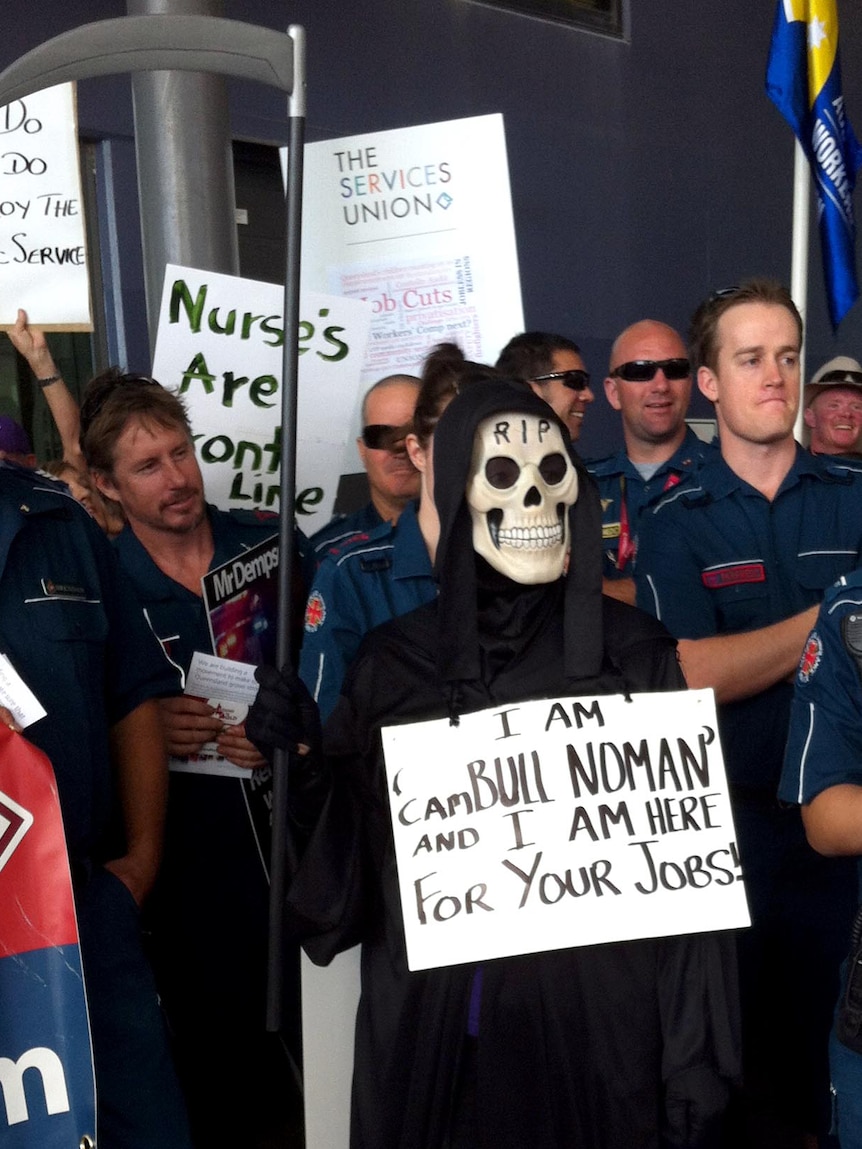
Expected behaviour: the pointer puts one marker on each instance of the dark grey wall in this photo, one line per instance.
(644, 174)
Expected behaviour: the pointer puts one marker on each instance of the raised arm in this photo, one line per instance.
(31, 343)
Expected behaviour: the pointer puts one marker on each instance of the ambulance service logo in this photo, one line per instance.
(315, 612)
(811, 656)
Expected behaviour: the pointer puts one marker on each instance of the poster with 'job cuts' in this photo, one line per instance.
(418, 222)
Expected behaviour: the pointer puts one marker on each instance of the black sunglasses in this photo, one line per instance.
(96, 399)
(575, 380)
(643, 370)
(851, 377)
(382, 437)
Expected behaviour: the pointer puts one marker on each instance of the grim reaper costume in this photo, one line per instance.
(620, 1046)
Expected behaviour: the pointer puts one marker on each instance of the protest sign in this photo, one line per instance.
(219, 346)
(43, 254)
(46, 1068)
(418, 222)
(558, 823)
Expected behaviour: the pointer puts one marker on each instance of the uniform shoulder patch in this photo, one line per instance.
(810, 660)
(315, 612)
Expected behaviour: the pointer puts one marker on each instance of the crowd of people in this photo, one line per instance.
(672, 562)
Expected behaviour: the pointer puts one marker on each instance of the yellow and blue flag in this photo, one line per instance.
(803, 80)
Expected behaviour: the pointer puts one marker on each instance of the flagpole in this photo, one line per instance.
(799, 258)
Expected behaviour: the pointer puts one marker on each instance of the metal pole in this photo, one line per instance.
(281, 862)
(185, 166)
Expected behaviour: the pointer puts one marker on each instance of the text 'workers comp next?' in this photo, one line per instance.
(563, 822)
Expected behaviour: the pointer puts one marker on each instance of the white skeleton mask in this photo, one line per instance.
(521, 484)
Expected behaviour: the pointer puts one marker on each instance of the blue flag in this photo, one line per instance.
(803, 80)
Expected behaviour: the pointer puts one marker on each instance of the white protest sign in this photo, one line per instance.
(43, 255)
(568, 822)
(418, 221)
(219, 346)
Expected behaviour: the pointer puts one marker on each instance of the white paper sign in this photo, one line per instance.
(418, 222)
(560, 823)
(219, 346)
(43, 255)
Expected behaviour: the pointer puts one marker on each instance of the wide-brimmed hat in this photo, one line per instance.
(842, 371)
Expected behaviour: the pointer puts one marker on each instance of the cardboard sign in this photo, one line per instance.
(418, 222)
(43, 254)
(567, 822)
(219, 346)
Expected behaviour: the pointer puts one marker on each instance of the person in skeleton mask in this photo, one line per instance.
(617, 1046)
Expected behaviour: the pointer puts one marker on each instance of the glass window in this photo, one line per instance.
(598, 15)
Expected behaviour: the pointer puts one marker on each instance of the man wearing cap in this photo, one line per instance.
(649, 383)
(833, 408)
(14, 443)
(393, 481)
(553, 367)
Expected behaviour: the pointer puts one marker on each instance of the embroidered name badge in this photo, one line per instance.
(62, 589)
(610, 530)
(315, 612)
(810, 659)
(734, 575)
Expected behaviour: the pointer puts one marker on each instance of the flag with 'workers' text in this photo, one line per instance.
(803, 80)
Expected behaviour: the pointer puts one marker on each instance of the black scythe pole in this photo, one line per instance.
(166, 42)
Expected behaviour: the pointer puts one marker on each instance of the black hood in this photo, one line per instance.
(456, 562)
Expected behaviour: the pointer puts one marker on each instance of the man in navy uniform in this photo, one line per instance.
(649, 383)
(72, 630)
(393, 481)
(735, 561)
(211, 907)
(823, 774)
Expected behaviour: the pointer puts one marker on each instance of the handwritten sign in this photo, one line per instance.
(560, 823)
(219, 346)
(43, 254)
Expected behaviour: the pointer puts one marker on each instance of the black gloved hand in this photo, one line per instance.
(284, 715)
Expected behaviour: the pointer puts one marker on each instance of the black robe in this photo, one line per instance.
(619, 1046)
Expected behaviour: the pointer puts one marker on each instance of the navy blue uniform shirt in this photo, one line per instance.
(624, 494)
(825, 744)
(716, 557)
(368, 581)
(73, 631)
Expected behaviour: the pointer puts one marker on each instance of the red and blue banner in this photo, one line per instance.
(47, 1091)
(803, 80)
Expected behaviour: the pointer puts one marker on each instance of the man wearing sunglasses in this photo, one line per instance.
(833, 408)
(649, 383)
(734, 561)
(553, 367)
(393, 481)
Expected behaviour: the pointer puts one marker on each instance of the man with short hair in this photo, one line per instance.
(734, 561)
(211, 906)
(833, 408)
(649, 383)
(73, 632)
(553, 367)
(393, 481)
